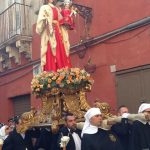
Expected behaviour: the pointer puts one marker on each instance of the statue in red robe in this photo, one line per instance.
(54, 54)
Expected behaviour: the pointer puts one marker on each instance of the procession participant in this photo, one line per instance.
(47, 140)
(11, 123)
(140, 135)
(17, 140)
(95, 138)
(4, 132)
(70, 130)
(123, 128)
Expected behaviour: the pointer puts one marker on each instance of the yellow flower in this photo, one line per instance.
(53, 78)
(68, 81)
(58, 81)
(38, 89)
(83, 77)
(49, 80)
(48, 85)
(41, 86)
(51, 74)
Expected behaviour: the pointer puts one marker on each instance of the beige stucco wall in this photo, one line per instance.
(34, 7)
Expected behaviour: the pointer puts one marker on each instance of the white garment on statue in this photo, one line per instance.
(143, 107)
(88, 128)
(77, 141)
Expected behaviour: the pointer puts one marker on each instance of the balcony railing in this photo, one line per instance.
(15, 21)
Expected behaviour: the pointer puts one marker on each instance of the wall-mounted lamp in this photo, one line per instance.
(90, 67)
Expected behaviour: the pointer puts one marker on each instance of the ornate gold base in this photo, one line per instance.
(53, 110)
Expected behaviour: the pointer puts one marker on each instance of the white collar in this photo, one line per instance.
(144, 122)
(90, 130)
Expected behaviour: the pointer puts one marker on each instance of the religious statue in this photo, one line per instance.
(54, 49)
(68, 13)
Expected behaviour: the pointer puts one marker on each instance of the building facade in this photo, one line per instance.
(115, 36)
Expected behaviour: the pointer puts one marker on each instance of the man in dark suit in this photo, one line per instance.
(72, 132)
(47, 140)
(18, 141)
(123, 128)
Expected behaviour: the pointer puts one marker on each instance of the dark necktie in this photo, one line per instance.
(72, 130)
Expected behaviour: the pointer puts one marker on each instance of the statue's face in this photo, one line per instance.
(50, 1)
(67, 5)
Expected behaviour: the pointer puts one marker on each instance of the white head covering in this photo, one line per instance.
(143, 107)
(2, 132)
(88, 128)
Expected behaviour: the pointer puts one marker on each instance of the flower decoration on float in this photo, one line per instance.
(65, 80)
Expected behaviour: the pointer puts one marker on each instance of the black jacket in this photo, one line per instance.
(123, 131)
(47, 140)
(102, 140)
(15, 141)
(140, 136)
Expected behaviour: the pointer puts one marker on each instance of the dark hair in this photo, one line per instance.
(1, 124)
(121, 106)
(68, 114)
(16, 119)
(143, 101)
(11, 120)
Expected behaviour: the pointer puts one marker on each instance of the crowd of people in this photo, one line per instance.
(131, 132)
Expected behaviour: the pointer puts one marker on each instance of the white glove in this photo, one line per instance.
(125, 115)
(64, 141)
(80, 125)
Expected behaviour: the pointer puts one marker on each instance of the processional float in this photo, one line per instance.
(61, 91)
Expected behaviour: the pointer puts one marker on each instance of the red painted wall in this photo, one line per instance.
(109, 15)
(14, 84)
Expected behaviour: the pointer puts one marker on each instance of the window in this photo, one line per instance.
(133, 86)
(21, 104)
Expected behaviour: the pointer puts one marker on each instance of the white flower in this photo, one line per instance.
(1, 141)
(64, 141)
